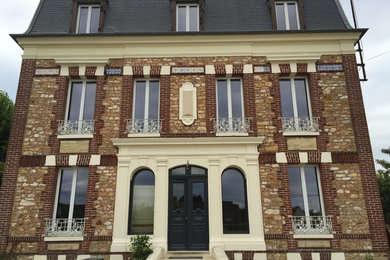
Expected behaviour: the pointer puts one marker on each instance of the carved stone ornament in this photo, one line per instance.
(188, 107)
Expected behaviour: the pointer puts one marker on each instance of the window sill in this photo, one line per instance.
(301, 133)
(231, 134)
(144, 135)
(54, 239)
(313, 236)
(89, 136)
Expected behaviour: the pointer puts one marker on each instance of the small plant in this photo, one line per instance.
(140, 247)
(369, 257)
(7, 256)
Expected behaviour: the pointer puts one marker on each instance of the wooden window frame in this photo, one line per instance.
(174, 4)
(301, 20)
(75, 12)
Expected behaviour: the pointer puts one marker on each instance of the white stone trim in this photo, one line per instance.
(72, 160)
(146, 70)
(215, 154)
(50, 160)
(293, 67)
(74, 136)
(311, 67)
(275, 68)
(57, 239)
(248, 69)
(40, 257)
(237, 256)
(303, 157)
(210, 69)
(82, 70)
(229, 69)
(281, 158)
(64, 71)
(144, 135)
(231, 134)
(116, 257)
(315, 256)
(62, 257)
(128, 70)
(301, 133)
(218, 253)
(188, 89)
(82, 257)
(158, 253)
(165, 70)
(99, 70)
(326, 157)
(95, 159)
(313, 236)
(260, 256)
(337, 256)
(294, 256)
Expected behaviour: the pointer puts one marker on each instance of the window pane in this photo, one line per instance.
(94, 26)
(236, 98)
(139, 107)
(286, 96)
(313, 194)
(178, 197)
(222, 99)
(81, 193)
(89, 103)
(83, 18)
(292, 16)
(194, 18)
(301, 97)
(64, 194)
(198, 196)
(280, 18)
(181, 19)
(153, 99)
(296, 194)
(75, 101)
(178, 171)
(142, 212)
(235, 218)
(197, 171)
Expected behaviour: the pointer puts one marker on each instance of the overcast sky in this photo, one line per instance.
(16, 15)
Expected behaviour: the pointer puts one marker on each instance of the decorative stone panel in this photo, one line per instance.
(47, 72)
(188, 70)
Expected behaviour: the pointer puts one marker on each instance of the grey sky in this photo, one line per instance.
(16, 15)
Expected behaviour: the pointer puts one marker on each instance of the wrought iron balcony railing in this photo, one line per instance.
(76, 127)
(231, 125)
(63, 227)
(300, 124)
(312, 225)
(143, 126)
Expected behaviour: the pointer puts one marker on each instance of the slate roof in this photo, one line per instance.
(154, 16)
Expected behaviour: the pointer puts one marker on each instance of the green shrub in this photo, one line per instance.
(7, 256)
(140, 247)
(369, 257)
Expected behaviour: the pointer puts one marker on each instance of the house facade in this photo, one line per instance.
(232, 128)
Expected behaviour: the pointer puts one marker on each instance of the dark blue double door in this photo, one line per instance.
(188, 209)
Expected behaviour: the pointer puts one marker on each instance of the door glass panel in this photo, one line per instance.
(75, 101)
(281, 20)
(197, 171)
(94, 27)
(193, 18)
(301, 95)
(81, 193)
(139, 107)
(89, 103)
(83, 19)
(178, 197)
(286, 95)
(198, 196)
(292, 16)
(181, 19)
(178, 171)
(222, 99)
(153, 99)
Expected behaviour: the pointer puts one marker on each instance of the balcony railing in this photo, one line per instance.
(76, 127)
(231, 125)
(300, 124)
(143, 126)
(63, 227)
(312, 225)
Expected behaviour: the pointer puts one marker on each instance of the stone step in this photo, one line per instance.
(188, 255)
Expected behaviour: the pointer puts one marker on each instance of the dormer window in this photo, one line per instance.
(88, 19)
(287, 16)
(187, 18)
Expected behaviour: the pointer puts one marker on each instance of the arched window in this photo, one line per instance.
(234, 202)
(141, 203)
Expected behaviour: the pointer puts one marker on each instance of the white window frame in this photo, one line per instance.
(187, 6)
(286, 16)
(82, 102)
(229, 96)
(294, 96)
(72, 194)
(304, 189)
(88, 29)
